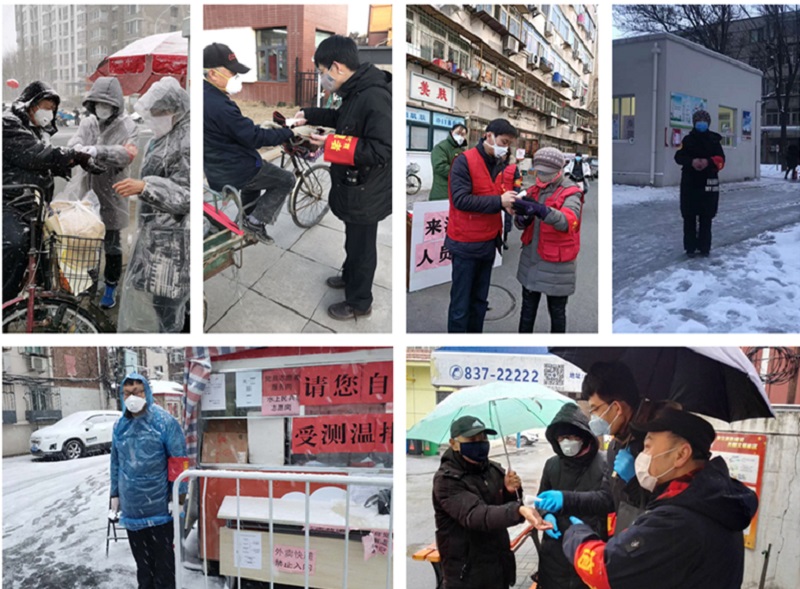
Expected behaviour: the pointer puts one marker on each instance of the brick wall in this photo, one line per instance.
(85, 365)
(301, 23)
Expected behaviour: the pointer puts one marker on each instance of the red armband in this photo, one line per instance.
(572, 220)
(719, 161)
(590, 564)
(341, 149)
(175, 466)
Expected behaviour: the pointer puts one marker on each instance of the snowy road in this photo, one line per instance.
(751, 282)
(54, 527)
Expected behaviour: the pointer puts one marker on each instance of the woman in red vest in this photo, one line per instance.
(481, 185)
(550, 217)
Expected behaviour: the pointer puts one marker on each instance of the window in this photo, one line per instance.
(727, 125)
(624, 110)
(320, 36)
(272, 55)
(417, 138)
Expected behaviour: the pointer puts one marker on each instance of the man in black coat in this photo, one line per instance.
(475, 502)
(701, 158)
(691, 533)
(29, 157)
(577, 466)
(360, 154)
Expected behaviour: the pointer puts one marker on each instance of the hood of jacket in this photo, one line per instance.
(148, 392)
(366, 76)
(108, 91)
(570, 420)
(164, 97)
(712, 492)
(34, 93)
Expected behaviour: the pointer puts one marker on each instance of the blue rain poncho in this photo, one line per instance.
(140, 449)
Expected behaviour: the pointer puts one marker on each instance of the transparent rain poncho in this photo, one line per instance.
(155, 289)
(140, 451)
(110, 138)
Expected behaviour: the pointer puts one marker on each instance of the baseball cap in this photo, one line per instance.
(219, 55)
(695, 430)
(469, 426)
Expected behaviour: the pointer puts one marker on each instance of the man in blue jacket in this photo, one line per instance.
(144, 440)
(231, 142)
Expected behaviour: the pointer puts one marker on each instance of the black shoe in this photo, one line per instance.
(690, 254)
(344, 312)
(705, 254)
(257, 231)
(335, 281)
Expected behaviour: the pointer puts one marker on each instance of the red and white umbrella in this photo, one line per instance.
(145, 61)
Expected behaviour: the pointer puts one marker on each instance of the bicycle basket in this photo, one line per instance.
(75, 262)
(412, 168)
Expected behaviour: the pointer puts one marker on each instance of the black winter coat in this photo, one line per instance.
(363, 196)
(585, 472)
(699, 189)
(689, 537)
(473, 512)
(28, 155)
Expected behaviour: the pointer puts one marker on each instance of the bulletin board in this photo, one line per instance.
(744, 455)
(682, 107)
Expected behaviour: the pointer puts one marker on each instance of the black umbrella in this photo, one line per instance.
(717, 382)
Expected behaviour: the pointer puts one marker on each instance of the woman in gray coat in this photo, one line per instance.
(109, 136)
(550, 217)
(155, 292)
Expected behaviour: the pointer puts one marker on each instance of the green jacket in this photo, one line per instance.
(442, 158)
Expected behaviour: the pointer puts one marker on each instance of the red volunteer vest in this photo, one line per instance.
(554, 245)
(474, 227)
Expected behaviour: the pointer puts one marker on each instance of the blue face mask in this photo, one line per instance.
(578, 158)
(475, 451)
(701, 126)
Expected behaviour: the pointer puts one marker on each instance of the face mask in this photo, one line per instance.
(43, 117)
(135, 404)
(543, 180)
(327, 82)
(459, 139)
(578, 158)
(500, 151)
(701, 126)
(160, 125)
(599, 426)
(475, 451)
(642, 467)
(570, 447)
(234, 85)
(103, 111)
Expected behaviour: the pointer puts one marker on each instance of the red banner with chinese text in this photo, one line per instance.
(342, 433)
(338, 384)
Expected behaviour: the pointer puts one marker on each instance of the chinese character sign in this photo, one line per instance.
(290, 559)
(277, 405)
(341, 384)
(285, 381)
(432, 91)
(342, 433)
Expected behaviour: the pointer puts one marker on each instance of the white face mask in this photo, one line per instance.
(160, 125)
(234, 85)
(500, 151)
(43, 117)
(103, 111)
(135, 404)
(642, 467)
(459, 139)
(327, 82)
(570, 447)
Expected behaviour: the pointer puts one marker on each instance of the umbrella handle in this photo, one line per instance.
(503, 438)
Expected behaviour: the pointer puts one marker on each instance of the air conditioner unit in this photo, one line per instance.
(573, 128)
(534, 9)
(567, 43)
(510, 45)
(545, 65)
(548, 29)
(38, 364)
(508, 102)
(552, 122)
(533, 61)
(576, 54)
(587, 68)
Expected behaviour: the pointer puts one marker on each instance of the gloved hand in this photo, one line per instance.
(575, 521)
(115, 504)
(550, 501)
(91, 150)
(624, 465)
(94, 168)
(554, 533)
(530, 207)
(80, 158)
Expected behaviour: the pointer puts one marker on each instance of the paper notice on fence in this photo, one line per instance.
(248, 389)
(247, 550)
(290, 559)
(375, 543)
(214, 397)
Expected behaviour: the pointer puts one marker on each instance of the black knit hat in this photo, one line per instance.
(701, 115)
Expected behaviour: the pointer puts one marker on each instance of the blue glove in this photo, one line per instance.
(624, 465)
(551, 501)
(554, 533)
(575, 521)
(530, 207)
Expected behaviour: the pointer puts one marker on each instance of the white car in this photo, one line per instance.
(76, 435)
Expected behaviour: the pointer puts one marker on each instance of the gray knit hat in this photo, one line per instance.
(548, 160)
(701, 115)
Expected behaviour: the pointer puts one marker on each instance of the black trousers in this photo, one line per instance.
(155, 556)
(264, 195)
(358, 271)
(697, 238)
(556, 307)
(113, 248)
(469, 294)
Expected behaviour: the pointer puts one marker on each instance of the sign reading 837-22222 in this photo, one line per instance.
(458, 372)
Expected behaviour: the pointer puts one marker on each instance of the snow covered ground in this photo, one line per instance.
(54, 528)
(751, 282)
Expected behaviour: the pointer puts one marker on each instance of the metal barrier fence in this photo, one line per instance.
(308, 479)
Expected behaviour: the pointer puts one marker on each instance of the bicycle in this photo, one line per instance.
(61, 278)
(413, 182)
